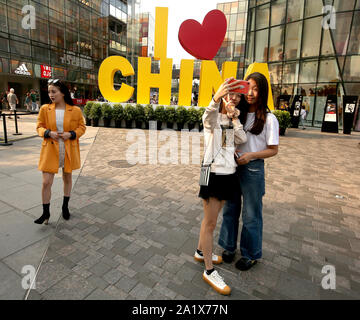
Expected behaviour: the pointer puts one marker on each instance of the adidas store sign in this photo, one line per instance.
(23, 70)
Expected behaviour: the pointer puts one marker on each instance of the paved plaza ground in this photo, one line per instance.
(134, 228)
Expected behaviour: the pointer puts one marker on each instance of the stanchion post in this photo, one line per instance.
(5, 143)
(16, 126)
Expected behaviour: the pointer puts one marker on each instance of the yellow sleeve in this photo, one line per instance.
(41, 121)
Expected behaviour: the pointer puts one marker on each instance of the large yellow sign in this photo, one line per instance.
(210, 77)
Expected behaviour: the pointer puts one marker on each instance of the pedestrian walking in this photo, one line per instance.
(303, 115)
(262, 131)
(61, 124)
(33, 101)
(219, 118)
(13, 101)
(28, 102)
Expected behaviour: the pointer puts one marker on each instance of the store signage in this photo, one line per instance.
(349, 107)
(330, 119)
(45, 72)
(72, 59)
(210, 77)
(296, 110)
(22, 70)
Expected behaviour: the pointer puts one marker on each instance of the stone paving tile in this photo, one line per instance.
(134, 230)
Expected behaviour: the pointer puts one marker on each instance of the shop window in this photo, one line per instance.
(250, 49)
(289, 72)
(20, 48)
(313, 8)
(41, 33)
(327, 47)
(3, 23)
(57, 5)
(232, 24)
(293, 40)
(276, 43)
(261, 46)
(341, 5)
(308, 71)
(262, 16)
(354, 43)
(275, 70)
(328, 71)
(311, 37)
(278, 12)
(56, 35)
(295, 10)
(341, 33)
(352, 68)
(4, 44)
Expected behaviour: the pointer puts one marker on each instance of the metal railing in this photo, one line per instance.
(17, 133)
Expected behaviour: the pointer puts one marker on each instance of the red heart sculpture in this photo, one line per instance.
(203, 41)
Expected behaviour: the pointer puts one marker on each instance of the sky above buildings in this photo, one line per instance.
(179, 11)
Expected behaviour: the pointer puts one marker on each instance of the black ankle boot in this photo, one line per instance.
(65, 213)
(45, 216)
(65, 208)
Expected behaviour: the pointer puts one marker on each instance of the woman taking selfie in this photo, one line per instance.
(262, 131)
(222, 132)
(61, 124)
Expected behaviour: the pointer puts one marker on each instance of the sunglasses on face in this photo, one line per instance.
(53, 81)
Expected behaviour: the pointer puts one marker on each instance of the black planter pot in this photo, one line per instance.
(128, 124)
(88, 121)
(169, 125)
(95, 122)
(147, 125)
(107, 122)
(180, 126)
(191, 126)
(200, 126)
(282, 131)
(138, 124)
(159, 125)
(117, 123)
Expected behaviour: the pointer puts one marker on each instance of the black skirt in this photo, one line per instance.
(221, 187)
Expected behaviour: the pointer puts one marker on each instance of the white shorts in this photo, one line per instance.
(12, 106)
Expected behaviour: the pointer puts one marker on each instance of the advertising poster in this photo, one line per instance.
(349, 103)
(284, 102)
(330, 119)
(295, 111)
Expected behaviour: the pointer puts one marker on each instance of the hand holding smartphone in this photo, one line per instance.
(244, 86)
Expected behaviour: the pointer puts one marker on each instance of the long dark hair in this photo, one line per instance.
(64, 90)
(262, 107)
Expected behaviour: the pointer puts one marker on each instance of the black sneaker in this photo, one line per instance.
(228, 256)
(245, 264)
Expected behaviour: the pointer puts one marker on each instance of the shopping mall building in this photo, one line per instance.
(70, 40)
(309, 53)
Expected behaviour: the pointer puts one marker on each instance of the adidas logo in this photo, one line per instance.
(23, 70)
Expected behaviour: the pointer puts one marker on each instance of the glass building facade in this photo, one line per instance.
(70, 40)
(233, 47)
(309, 52)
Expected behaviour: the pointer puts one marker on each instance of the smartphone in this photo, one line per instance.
(237, 155)
(244, 89)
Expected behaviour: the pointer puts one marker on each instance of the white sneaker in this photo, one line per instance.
(215, 258)
(217, 282)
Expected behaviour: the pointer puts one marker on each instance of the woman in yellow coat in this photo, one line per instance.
(61, 124)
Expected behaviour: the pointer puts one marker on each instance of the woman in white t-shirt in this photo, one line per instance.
(223, 132)
(262, 131)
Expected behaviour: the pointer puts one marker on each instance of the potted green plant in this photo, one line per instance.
(181, 117)
(149, 115)
(87, 109)
(170, 117)
(200, 113)
(139, 115)
(160, 116)
(106, 112)
(284, 119)
(95, 114)
(192, 117)
(129, 115)
(118, 115)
